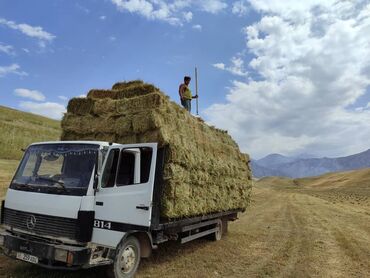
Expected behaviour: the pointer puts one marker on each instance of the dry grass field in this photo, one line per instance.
(7, 169)
(19, 129)
(316, 227)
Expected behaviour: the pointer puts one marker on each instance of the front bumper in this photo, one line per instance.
(49, 255)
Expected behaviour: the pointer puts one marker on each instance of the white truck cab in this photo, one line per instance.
(80, 204)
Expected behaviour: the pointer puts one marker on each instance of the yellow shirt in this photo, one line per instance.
(187, 94)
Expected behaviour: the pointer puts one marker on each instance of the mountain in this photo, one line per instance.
(18, 129)
(261, 171)
(297, 168)
(274, 159)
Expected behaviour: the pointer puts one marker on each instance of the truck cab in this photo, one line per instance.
(80, 204)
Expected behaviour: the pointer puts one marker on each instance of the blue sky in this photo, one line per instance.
(286, 77)
(96, 45)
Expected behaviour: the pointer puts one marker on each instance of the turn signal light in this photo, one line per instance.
(70, 258)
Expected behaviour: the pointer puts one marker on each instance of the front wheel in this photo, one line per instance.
(127, 259)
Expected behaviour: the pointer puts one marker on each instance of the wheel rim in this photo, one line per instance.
(128, 259)
(219, 232)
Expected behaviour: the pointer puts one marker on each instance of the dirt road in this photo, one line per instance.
(288, 232)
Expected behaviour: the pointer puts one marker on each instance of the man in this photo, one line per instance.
(185, 94)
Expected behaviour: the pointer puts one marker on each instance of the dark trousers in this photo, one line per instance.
(186, 103)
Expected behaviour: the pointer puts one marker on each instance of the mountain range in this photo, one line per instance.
(307, 165)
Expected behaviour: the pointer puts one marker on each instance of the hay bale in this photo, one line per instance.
(125, 84)
(80, 106)
(124, 90)
(104, 107)
(93, 94)
(204, 169)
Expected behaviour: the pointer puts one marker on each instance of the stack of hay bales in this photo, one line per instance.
(204, 170)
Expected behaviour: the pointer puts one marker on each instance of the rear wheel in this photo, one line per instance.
(225, 227)
(127, 259)
(218, 234)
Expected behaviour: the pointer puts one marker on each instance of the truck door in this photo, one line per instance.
(123, 200)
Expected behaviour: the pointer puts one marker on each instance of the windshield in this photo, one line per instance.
(57, 168)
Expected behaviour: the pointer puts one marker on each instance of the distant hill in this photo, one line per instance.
(278, 165)
(338, 181)
(355, 178)
(18, 129)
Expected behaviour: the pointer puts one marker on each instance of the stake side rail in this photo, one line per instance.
(180, 223)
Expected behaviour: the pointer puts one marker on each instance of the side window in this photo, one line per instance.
(134, 166)
(126, 172)
(110, 170)
(145, 163)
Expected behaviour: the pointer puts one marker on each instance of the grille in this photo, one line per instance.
(44, 224)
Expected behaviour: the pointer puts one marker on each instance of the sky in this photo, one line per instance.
(287, 77)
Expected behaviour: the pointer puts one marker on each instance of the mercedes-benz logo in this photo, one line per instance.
(31, 222)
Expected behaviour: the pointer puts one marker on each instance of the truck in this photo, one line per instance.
(81, 204)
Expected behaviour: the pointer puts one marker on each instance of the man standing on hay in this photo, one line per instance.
(185, 94)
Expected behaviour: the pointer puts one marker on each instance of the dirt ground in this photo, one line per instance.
(291, 230)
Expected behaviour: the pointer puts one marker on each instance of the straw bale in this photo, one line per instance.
(122, 125)
(140, 103)
(106, 106)
(125, 84)
(119, 91)
(80, 106)
(96, 94)
(145, 122)
(126, 139)
(204, 169)
(134, 91)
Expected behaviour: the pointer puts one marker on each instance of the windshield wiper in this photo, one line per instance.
(22, 185)
(61, 183)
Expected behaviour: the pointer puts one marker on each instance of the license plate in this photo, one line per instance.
(27, 258)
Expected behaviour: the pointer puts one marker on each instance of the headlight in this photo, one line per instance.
(60, 255)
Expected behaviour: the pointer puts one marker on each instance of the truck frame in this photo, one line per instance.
(115, 220)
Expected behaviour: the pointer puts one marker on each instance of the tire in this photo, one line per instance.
(218, 235)
(225, 227)
(127, 259)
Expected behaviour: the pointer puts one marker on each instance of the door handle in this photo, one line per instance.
(142, 207)
(99, 203)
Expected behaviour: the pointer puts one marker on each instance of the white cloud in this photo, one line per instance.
(47, 109)
(31, 31)
(31, 94)
(102, 17)
(112, 38)
(311, 64)
(220, 66)
(63, 97)
(236, 67)
(12, 69)
(212, 6)
(26, 50)
(197, 27)
(188, 16)
(7, 49)
(82, 96)
(240, 8)
(175, 12)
